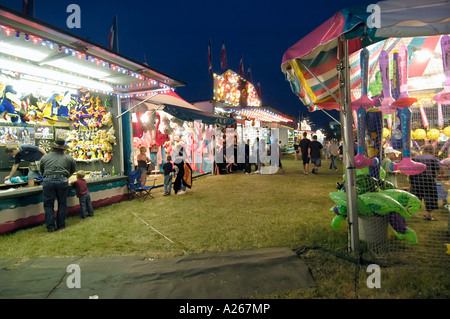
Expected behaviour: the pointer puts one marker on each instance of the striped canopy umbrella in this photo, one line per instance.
(310, 64)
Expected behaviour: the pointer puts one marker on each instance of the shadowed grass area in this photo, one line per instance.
(232, 212)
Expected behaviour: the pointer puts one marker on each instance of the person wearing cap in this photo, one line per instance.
(389, 156)
(29, 153)
(56, 168)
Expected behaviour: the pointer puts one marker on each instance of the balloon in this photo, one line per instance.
(424, 117)
(381, 203)
(403, 100)
(420, 134)
(444, 96)
(408, 200)
(360, 106)
(433, 134)
(407, 166)
(386, 104)
(447, 131)
(397, 222)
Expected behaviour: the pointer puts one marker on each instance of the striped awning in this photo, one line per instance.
(418, 24)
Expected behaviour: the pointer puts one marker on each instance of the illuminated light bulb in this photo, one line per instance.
(35, 40)
(8, 32)
(27, 37)
(17, 34)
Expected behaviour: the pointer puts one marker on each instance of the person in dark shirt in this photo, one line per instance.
(304, 147)
(315, 153)
(423, 185)
(83, 195)
(168, 169)
(30, 153)
(56, 168)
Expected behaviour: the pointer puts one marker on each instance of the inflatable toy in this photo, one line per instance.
(444, 96)
(406, 166)
(378, 198)
(360, 106)
(386, 103)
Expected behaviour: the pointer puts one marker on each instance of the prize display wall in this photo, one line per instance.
(86, 120)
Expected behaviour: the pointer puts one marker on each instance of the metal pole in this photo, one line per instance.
(153, 93)
(349, 157)
(120, 128)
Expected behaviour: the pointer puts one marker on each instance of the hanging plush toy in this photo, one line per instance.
(160, 137)
(10, 104)
(50, 112)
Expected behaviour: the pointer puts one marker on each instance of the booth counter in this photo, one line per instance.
(23, 207)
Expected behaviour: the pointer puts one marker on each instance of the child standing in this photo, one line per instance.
(168, 175)
(142, 160)
(83, 195)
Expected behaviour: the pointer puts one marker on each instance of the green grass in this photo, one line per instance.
(237, 211)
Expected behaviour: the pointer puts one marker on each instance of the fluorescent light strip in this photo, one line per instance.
(76, 68)
(23, 87)
(62, 77)
(24, 53)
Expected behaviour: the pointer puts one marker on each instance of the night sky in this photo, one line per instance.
(172, 37)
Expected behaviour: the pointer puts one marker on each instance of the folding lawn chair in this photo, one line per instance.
(135, 187)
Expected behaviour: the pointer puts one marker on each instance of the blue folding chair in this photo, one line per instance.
(135, 187)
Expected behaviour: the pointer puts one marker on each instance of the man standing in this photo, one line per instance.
(56, 168)
(333, 151)
(304, 148)
(423, 185)
(315, 153)
(30, 153)
(248, 169)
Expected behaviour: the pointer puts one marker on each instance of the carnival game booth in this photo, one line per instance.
(57, 85)
(237, 97)
(379, 65)
(167, 122)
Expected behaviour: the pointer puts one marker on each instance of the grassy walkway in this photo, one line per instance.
(230, 212)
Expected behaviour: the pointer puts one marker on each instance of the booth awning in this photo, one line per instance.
(191, 115)
(45, 53)
(312, 61)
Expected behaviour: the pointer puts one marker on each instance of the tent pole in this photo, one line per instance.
(153, 93)
(349, 156)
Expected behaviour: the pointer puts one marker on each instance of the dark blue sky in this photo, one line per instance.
(172, 37)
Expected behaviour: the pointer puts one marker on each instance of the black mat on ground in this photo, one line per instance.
(223, 275)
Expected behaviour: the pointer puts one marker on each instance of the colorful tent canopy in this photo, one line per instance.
(191, 115)
(312, 61)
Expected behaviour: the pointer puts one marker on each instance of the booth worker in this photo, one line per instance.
(56, 168)
(30, 153)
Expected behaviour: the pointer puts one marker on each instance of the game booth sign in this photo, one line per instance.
(385, 67)
(57, 85)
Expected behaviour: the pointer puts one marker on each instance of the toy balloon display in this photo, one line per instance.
(397, 205)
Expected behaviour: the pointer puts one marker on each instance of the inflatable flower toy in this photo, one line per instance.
(378, 198)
